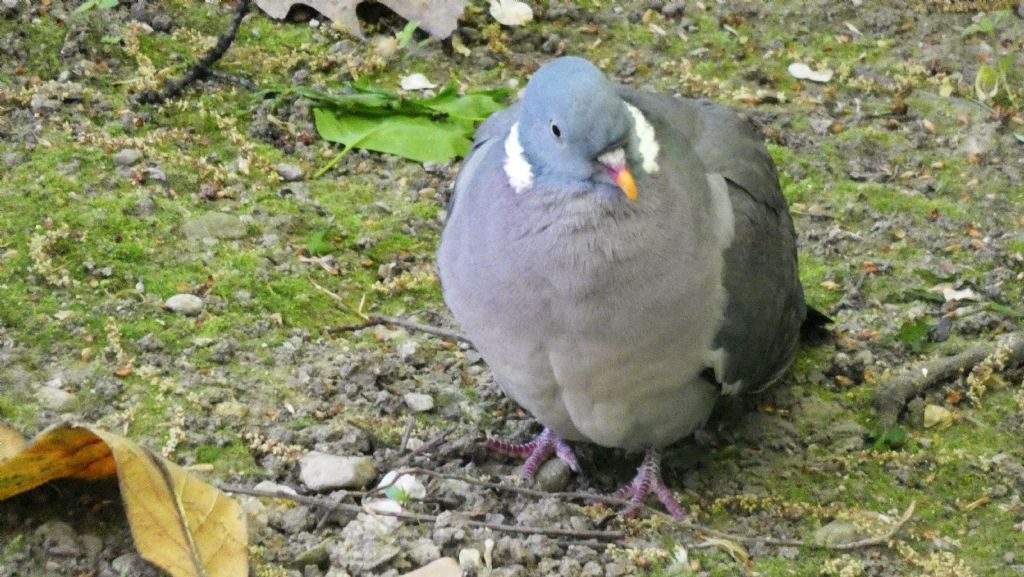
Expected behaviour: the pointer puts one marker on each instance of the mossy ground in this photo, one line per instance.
(898, 177)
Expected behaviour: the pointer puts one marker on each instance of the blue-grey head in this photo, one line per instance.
(574, 128)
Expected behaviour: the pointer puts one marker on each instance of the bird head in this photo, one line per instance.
(574, 129)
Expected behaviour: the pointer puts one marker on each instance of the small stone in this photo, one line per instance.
(231, 409)
(672, 9)
(296, 520)
(127, 157)
(318, 555)
(423, 551)
(289, 172)
(54, 398)
(143, 208)
(187, 304)
(836, 533)
(552, 476)
(58, 538)
(418, 402)
(154, 174)
(214, 225)
(444, 567)
(937, 416)
(320, 471)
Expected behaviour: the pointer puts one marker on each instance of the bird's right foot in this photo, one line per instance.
(537, 451)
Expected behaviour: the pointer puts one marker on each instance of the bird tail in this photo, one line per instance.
(813, 330)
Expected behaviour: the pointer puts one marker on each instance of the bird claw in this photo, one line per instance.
(537, 451)
(648, 480)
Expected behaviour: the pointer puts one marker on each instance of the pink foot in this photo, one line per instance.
(537, 451)
(648, 478)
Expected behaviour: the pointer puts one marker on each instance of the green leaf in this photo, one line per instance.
(90, 4)
(397, 494)
(895, 437)
(986, 83)
(319, 242)
(914, 334)
(405, 35)
(414, 137)
(474, 106)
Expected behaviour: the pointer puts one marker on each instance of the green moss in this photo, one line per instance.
(232, 458)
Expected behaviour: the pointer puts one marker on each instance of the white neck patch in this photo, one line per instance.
(517, 168)
(646, 142)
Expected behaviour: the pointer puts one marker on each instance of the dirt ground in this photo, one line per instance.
(905, 176)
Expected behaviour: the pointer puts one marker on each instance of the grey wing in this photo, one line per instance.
(765, 303)
(492, 130)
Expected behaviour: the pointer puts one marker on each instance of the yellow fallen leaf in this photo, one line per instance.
(178, 522)
(10, 441)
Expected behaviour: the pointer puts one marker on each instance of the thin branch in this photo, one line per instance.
(683, 523)
(341, 302)
(894, 394)
(200, 69)
(414, 326)
(323, 503)
(374, 320)
(880, 539)
(431, 444)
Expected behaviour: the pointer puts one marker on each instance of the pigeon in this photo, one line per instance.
(621, 260)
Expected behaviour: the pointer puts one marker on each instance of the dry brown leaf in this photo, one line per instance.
(178, 522)
(10, 442)
(438, 17)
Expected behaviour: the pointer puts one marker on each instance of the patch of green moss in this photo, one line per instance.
(234, 457)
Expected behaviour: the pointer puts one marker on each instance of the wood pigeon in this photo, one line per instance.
(621, 259)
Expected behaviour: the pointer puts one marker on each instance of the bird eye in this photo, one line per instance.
(556, 131)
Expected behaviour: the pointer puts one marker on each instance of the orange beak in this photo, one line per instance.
(624, 178)
(614, 162)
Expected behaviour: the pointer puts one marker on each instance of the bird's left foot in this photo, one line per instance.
(647, 480)
(537, 451)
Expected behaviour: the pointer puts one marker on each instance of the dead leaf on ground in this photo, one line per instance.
(178, 522)
(438, 17)
(10, 442)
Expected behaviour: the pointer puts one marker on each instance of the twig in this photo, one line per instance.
(880, 539)
(374, 320)
(683, 523)
(200, 69)
(410, 423)
(892, 396)
(437, 440)
(323, 503)
(341, 302)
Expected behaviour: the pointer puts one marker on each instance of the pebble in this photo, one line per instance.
(320, 471)
(418, 402)
(54, 398)
(552, 476)
(289, 172)
(672, 9)
(184, 303)
(319, 554)
(217, 225)
(154, 174)
(836, 533)
(297, 519)
(127, 157)
(58, 538)
(143, 208)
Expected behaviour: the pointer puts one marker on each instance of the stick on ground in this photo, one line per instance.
(893, 395)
